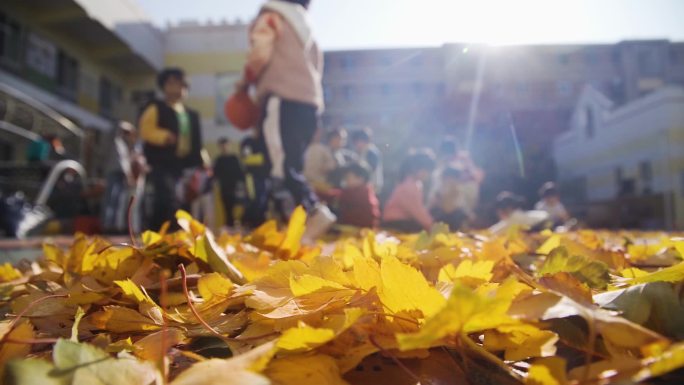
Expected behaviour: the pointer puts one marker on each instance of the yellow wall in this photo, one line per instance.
(208, 62)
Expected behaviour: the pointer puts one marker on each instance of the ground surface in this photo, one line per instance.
(365, 308)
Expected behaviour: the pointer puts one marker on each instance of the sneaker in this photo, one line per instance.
(318, 224)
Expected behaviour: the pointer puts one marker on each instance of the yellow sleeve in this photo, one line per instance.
(149, 131)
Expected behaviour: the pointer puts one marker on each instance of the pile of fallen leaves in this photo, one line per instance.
(187, 307)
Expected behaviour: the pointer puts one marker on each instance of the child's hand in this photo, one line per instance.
(242, 85)
(171, 139)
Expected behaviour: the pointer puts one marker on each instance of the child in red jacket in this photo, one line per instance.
(358, 204)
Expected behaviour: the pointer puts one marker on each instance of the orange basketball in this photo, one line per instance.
(241, 110)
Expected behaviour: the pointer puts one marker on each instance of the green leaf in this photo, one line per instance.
(207, 250)
(87, 364)
(33, 371)
(655, 305)
(594, 273)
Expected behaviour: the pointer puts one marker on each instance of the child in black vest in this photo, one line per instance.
(172, 139)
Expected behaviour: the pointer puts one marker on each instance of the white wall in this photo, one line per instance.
(196, 38)
(624, 137)
(131, 24)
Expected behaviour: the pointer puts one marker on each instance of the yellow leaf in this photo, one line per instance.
(8, 273)
(121, 320)
(366, 273)
(293, 236)
(670, 360)
(346, 252)
(375, 247)
(121, 345)
(342, 322)
(54, 254)
(328, 268)
(406, 289)
(521, 341)
(77, 320)
(190, 224)
(150, 237)
(465, 312)
(132, 291)
(551, 243)
(11, 350)
(300, 370)
(671, 274)
(679, 246)
(304, 338)
(641, 251)
(214, 285)
(153, 347)
(494, 250)
(307, 284)
(478, 271)
(633, 272)
(547, 371)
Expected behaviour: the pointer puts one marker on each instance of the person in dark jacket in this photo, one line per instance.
(172, 139)
(228, 173)
(358, 205)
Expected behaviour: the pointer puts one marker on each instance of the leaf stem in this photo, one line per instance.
(192, 306)
(131, 202)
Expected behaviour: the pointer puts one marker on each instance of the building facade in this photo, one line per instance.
(505, 104)
(632, 152)
(73, 64)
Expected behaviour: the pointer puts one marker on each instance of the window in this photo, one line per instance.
(347, 92)
(106, 97)
(616, 56)
(417, 89)
(590, 123)
(563, 59)
(646, 174)
(67, 76)
(590, 58)
(563, 87)
(327, 93)
(521, 88)
(619, 177)
(41, 56)
(648, 64)
(348, 62)
(6, 151)
(10, 40)
(140, 98)
(385, 89)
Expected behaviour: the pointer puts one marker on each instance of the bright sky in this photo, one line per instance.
(397, 23)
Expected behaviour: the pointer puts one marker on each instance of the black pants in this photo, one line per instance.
(287, 128)
(164, 201)
(228, 199)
